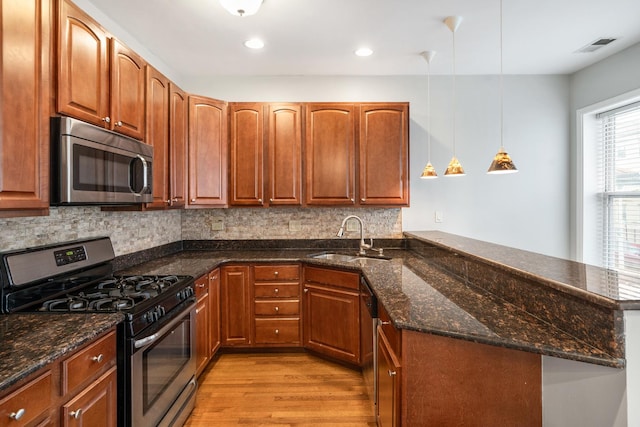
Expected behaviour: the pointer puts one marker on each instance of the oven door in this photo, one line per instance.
(163, 367)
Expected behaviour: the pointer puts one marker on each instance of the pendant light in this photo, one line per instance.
(429, 171)
(454, 168)
(241, 7)
(502, 162)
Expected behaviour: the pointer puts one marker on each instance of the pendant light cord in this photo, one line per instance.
(501, 87)
(454, 92)
(428, 112)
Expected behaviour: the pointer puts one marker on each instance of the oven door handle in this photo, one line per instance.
(142, 342)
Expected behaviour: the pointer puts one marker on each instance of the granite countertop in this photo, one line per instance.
(30, 341)
(418, 296)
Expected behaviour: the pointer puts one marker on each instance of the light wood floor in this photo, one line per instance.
(280, 389)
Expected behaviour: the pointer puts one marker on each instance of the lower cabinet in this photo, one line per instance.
(79, 390)
(203, 323)
(388, 391)
(235, 306)
(214, 310)
(332, 313)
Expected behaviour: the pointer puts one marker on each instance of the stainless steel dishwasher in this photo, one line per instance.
(368, 337)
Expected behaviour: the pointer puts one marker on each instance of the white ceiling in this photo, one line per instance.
(318, 37)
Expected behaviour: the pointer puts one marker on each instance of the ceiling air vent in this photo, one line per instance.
(595, 45)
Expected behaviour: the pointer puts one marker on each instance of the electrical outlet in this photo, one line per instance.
(353, 225)
(295, 225)
(217, 224)
(437, 216)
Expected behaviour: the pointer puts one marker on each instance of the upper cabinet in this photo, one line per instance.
(100, 80)
(266, 154)
(207, 152)
(157, 135)
(330, 137)
(25, 27)
(383, 145)
(178, 113)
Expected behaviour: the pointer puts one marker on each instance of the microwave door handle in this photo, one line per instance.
(145, 170)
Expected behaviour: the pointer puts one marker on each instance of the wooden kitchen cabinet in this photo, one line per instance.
(100, 80)
(214, 311)
(277, 305)
(330, 137)
(383, 160)
(25, 45)
(235, 306)
(157, 135)
(208, 147)
(246, 137)
(79, 389)
(178, 113)
(388, 392)
(203, 323)
(331, 315)
(266, 154)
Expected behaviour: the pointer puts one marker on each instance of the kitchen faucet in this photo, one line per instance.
(363, 246)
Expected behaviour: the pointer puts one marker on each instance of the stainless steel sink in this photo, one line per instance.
(335, 257)
(368, 260)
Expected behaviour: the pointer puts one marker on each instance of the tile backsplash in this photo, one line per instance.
(136, 231)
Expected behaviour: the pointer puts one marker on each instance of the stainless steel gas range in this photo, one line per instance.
(156, 342)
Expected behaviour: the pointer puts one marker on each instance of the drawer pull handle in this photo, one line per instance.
(201, 285)
(18, 414)
(382, 322)
(277, 309)
(275, 290)
(98, 358)
(392, 373)
(76, 414)
(277, 332)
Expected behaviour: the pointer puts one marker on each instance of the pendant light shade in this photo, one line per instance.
(454, 168)
(429, 171)
(502, 162)
(241, 7)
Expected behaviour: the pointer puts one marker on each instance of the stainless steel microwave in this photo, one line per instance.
(94, 166)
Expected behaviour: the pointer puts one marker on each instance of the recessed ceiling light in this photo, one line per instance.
(364, 51)
(254, 44)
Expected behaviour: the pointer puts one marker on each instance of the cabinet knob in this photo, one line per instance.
(277, 332)
(200, 285)
(106, 119)
(167, 201)
(259, 200)
(277, 309)
(363, 200)
(118, 123)
(352, 200)
(193, 200)
(98, 358)
(275, 273)
(18, 414)
(76, 414)
(306, 290)
(392, 373)
(275, 291)
(175, 199)
(270, 200)
(382, 322)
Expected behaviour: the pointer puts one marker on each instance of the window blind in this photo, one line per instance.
(619, 188)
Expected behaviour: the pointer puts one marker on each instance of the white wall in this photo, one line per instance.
(527, 210)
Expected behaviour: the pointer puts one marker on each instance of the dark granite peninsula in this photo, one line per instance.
(30, 341)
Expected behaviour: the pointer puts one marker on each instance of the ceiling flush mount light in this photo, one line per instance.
(254, 44)
(429, 171)
(364, 51)
(501, 163)
(241, 7)
(454, 168)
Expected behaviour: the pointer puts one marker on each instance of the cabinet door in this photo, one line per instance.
(207, 152)
(246, 136)
(214, 310)
(83, 67)
(24, 105)
(94, 406)
(127, 91)
(388, 399)
(332, 322)
(284, 154)
(157, 134)
(235, 303)
(384, 154)
(330, 154)
(178, 109)
(203, 345)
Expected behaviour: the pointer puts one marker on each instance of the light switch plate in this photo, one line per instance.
(295, 225)
(437, 216)
(353, 225)
(217, 224)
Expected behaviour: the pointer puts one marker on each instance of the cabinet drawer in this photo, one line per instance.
(277, 290)
(391, 333)
(277, 307)
(27, 403)
(278, 331)
(325, 276)
(201, 286)
(87, 363)
(276, 272)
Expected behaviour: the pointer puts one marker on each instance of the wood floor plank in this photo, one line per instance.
(285, 390)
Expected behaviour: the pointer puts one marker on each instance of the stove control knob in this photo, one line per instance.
(162, 311)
